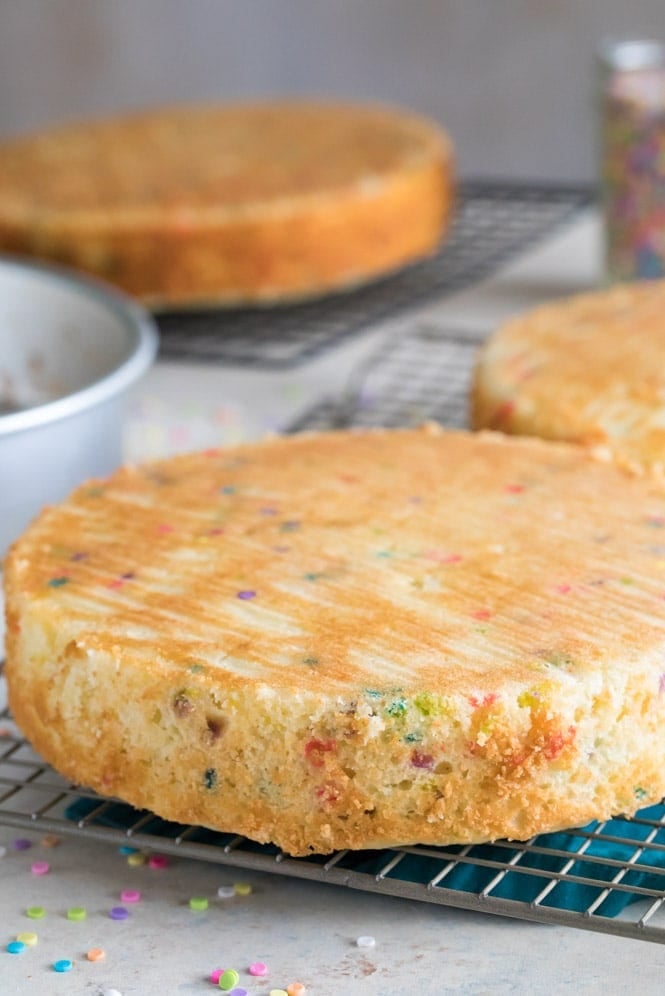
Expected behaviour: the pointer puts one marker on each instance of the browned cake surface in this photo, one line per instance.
(586, 369)
(352, 639)
(230, 203)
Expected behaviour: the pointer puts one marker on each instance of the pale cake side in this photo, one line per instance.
(589, 369)
(353, 639)
(229, 204)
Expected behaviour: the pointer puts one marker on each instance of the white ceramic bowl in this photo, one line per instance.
(70, 349)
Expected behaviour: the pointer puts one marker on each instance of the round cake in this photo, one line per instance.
(589, 369)
(230, 204)
(352, 639)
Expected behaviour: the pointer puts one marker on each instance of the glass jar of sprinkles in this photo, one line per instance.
(632, 146)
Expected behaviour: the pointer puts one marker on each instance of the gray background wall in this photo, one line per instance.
(513, 80)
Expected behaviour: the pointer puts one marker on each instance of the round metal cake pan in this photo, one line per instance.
(70, 350)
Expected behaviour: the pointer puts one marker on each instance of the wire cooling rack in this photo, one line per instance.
(419, 374)
(495, 220)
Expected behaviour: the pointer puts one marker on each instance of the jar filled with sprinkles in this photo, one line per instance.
(632, 168)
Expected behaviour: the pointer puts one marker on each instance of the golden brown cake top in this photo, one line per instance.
(382, 561)
(234, 158)
(589, 368)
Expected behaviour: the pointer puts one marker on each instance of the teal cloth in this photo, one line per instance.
(647, 870)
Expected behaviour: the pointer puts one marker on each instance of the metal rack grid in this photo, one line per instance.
(495, 220)
(555, 876)
(421, 374)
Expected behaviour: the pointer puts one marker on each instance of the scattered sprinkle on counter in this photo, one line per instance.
(158, 861)
(127, 850)
(136, 859)
(22, 844)
(366, 941)
(228, 980)
(3, 851)
(225, 979)
(50, 840)
(63, 965)
(27, 938)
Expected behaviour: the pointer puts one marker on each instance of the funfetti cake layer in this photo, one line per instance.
(586, 369)
(231, 204)
(352, 640)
